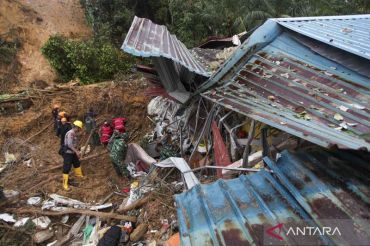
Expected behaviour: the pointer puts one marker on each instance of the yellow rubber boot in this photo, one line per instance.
(78, 173)
(65, 182)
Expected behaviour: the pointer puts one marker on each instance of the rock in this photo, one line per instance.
(139, 232)
(34, 200)
(21, 222)
(64, 219)
(43, 236)
(11, 195)
(42, 222)
(9, 218)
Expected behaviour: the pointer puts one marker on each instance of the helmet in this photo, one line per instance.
(78, 123)
(63, 119)
(62, 114)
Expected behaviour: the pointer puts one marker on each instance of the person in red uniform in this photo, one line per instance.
(119, 124)
(106, 132)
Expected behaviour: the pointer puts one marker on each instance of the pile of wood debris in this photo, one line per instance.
(38, 208)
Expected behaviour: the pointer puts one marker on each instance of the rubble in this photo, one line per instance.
(42, 222)
(43, 236)
(139, 232)
(7, 218)
(202, 156)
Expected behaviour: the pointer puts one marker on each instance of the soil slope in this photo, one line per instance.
(33, 21)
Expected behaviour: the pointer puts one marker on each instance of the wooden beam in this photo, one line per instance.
(102, 215)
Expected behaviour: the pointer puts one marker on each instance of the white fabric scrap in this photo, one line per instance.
(7, 218)
(68, 201)
(21, 222)
(42, 222)
(103, 206)
(190, 179)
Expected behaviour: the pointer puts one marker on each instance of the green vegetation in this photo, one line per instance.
(90, 61)
(195, 20)
(191, 20)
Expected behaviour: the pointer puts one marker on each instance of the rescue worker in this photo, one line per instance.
(65, 126)
(61, 115)
(119, 124)
(106, 132)
(71, 154)
(90, 121)
(91, 128)
(55, 113)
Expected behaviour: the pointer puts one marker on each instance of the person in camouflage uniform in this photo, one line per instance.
(117, 147)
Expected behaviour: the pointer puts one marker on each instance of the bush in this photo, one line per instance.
(90, 61)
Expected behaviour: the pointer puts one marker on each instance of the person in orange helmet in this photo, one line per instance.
(55, 113)
(61, 115)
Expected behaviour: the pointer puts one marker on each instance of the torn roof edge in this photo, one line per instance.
(180, 53)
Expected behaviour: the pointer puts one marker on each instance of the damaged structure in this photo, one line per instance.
(285, 76)
(256, 139)
(291, 101)
(177, 70)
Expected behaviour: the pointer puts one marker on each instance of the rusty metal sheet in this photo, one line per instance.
(350, 33)
(221, 153)
(147, 39)
(304, 187)
(290, 87)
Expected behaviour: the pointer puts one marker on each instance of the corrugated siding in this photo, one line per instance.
(237, 211)
(147, 39)
(288, 86)
(350, 33)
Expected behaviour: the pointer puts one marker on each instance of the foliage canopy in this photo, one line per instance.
(90, 61)
(195, 20)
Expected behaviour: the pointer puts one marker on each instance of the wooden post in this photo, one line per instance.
(249, 140)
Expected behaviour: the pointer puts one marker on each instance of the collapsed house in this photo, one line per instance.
(177, 71)
(293, 99)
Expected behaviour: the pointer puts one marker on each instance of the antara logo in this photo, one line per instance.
(271, 232)
(302, 231)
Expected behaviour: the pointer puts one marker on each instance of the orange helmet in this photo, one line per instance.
(62, 114)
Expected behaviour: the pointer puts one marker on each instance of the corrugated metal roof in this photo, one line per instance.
(212, 59)
(350, 33)
(290, 87)
(147, 39)
(238, 211)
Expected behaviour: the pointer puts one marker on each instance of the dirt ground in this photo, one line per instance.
(108, 100)
(29, 133)
(32, 22)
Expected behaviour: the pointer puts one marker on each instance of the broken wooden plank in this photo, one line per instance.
(247, 149)
(82, 159)
(39, 132)
(102, 215)
(137, 204)
(139, 232)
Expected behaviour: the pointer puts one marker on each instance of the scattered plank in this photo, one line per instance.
(43, 182)
(39, 132)
(139, 232)
(82, 159)
(137, 204)
(102, 215)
